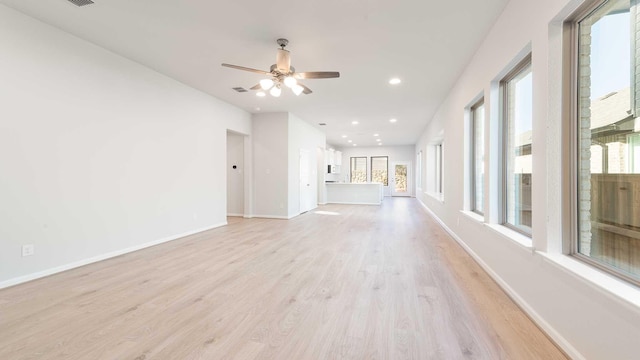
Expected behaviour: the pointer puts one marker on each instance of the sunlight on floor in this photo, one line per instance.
(327, 213)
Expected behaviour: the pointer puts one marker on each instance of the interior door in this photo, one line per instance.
(306, 193)
(400, 178)
(235, 174)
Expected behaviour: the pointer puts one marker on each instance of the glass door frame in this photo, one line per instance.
(392, 180)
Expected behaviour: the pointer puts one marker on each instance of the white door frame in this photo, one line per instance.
(305, 189)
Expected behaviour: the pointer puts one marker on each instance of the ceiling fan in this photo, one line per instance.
(282, 73)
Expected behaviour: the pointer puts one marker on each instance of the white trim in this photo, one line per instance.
(623, 293)
(236, 215)
(512, 235)
(436, 196)
(473, 216)
(76, 264)
(275, 217)
(572, 352)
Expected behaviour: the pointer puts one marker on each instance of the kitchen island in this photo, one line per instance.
(354, 193)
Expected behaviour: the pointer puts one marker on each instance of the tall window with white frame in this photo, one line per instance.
(608, 137)
(380, 169)
(358, 169)
(517, 121)
(439, 170)
(419, 170)
(477, 158)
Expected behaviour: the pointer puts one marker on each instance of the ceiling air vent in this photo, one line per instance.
(240, 89)
(81, 2)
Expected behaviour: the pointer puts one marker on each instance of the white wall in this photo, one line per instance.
(302, 136)
(98, 154)
(589, 314)
(270, 164)
(235, 177)
(277, 140)
(395, 153)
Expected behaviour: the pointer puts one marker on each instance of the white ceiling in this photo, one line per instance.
(426, 43)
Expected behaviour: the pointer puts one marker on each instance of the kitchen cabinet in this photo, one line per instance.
(332, 157)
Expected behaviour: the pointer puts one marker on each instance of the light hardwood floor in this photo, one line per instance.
(350, 282)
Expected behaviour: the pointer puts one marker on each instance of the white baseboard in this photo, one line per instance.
(560, 340)
(75, 264)
(273, 217)
(235, 215)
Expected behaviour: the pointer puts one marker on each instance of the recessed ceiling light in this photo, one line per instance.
(260, 94)
(395, 81)
(379, 144)
(350, 141)
(376, 135)
(393, 120)
(344, 136)
(378, 140)
(355, 122)
(355, 144)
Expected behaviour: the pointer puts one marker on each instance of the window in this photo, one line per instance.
(380, 169)
(477, 157)
(419, 170)
(608, 139)
(358, 169)
(439, 170)
(517, 97)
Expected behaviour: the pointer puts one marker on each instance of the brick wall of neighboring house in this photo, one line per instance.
(584, 170)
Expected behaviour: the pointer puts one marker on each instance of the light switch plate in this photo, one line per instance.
(28, 250)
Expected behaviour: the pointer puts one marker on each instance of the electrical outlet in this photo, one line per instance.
(28, 250)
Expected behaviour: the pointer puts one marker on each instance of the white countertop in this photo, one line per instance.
(343, 183)
(369, 193)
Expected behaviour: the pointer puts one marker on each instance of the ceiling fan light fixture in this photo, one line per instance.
(290, 82)
(266, 84)
(281, 73)
(275, 91)
(283, 60)
(297, 89)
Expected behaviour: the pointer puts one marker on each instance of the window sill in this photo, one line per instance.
(473, 216)
(437, 196)
(627, 293)
(517, 237)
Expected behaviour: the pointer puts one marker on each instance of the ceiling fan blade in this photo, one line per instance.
(247, 69)
(306, 90)
(283, 60)
(256, 87)
(317, 75)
